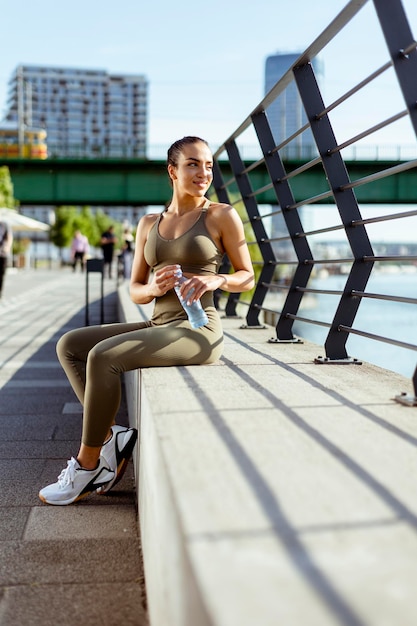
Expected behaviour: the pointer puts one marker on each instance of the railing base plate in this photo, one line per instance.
(294, 340)
(406, 399)
(230, 317)
(256, 326)
(324, 360)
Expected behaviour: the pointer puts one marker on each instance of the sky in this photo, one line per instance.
(204, 61)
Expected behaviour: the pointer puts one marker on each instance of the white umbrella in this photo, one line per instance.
(21, 223)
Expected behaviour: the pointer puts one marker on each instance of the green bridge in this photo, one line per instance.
(140, 182)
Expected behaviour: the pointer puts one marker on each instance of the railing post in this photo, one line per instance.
(407, 399)
(285, 199)
(398, 37)
(347, 205)
(223, 196)
(267, 272)
(94, 265)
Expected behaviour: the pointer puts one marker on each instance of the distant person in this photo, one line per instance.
(127, 252)
(79, 250)
(108, 239)
(6, 242)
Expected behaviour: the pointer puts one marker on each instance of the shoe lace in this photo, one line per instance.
(67, 475)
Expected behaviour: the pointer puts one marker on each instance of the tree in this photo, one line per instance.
(62, 231)
(86, 222)
(102, 222)
(6, 189)
(237, 202)
(68, 219)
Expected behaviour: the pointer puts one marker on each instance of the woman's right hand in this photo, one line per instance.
(164, 279)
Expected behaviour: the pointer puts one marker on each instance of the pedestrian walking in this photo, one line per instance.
(108, 239)
(80, 249)
(6, 243)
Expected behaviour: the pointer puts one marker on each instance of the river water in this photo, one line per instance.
(394, 320)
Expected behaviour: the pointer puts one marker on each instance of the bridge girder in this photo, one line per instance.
(145, 182)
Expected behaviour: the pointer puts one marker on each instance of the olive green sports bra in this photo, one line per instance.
(194, 250)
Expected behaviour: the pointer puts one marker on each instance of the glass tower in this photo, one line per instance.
(286, 114)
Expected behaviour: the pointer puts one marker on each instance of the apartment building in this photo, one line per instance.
(85, 112)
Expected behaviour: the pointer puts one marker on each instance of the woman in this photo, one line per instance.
(6, 244)
(80, 249)
(194, 234)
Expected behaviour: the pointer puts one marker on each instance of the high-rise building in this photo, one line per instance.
(85, 112)
(286, 114)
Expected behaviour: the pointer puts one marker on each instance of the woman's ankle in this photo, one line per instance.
(88, 469)
(89, 457)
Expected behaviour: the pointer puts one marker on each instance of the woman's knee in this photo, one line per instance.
(101, 359)
(65, 343)
(73, 344)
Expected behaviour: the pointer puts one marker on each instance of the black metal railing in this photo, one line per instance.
(288, 262)
(121, 151)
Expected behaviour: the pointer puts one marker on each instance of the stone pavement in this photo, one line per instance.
(79, 564)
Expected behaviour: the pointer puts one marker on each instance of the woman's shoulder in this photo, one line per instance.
(148, 220)
(145, 224)
(221, 210)
(219, 207)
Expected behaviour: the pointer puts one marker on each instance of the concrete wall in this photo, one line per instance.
(274, 490)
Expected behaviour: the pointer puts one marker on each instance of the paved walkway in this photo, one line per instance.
(58, 565)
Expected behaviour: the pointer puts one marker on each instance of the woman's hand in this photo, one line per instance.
(191, 290)
(164, 279)
(195, 286)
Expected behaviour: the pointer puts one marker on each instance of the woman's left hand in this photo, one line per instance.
(196, 286)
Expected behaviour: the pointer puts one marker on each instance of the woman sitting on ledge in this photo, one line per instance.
(193, 234)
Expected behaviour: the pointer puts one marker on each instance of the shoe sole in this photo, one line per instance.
(90, 488)
(121, 468)
(65, 502)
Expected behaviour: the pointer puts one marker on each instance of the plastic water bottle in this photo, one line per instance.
(196, 314)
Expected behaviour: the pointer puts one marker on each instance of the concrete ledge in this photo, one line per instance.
(275, 490)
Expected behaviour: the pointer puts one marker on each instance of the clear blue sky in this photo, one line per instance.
(204, 61)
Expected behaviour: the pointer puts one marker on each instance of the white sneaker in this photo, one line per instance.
(74, 483)
(116, 452)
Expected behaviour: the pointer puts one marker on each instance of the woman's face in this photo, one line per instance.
(193, 173)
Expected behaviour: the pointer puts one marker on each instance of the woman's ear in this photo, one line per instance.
(171, 172)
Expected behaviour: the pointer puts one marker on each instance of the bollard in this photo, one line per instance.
(94, 265)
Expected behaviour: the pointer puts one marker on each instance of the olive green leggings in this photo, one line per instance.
(94, 358)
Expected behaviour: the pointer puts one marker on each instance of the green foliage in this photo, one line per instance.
(20, 246)
(87, 223)
(6, 189)
(103, 222)
(62, 231)
(68, 219)
(254, 251)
